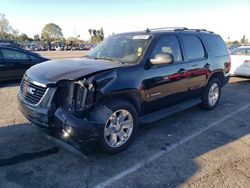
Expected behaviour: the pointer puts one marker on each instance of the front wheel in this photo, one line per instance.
(212, 93)
(120, 127)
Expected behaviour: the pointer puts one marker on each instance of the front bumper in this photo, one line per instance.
(80, 134)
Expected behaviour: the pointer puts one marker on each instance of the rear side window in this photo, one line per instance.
(216, 45)
(247, 52)
(193, 47)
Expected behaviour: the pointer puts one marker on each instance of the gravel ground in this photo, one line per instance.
(193, 148)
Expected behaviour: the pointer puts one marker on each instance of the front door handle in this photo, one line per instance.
(182, 71)
(207, 66)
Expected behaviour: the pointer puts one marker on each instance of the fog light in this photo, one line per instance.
(66, 132)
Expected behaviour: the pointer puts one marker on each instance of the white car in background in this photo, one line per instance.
(240, 61)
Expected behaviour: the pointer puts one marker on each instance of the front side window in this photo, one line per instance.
(193, 47)
(13, 54)
(168, 44)
(127, 48)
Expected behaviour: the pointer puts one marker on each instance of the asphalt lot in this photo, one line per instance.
(193, 148)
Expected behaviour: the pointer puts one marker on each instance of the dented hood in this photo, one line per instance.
(68, 69)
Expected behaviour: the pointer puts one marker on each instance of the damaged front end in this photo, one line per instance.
(70, 111)
(71, 107)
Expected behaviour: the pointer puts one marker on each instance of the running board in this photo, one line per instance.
(155, 116)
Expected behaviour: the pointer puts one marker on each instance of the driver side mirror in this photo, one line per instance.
(164, 58)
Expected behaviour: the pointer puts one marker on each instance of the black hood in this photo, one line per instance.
(68, 69)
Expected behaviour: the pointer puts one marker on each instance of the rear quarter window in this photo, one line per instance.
(216, 45)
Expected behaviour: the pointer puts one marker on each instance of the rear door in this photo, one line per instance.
(196, 57)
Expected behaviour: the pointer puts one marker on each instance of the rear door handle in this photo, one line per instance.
(182, 71)
(207, 65)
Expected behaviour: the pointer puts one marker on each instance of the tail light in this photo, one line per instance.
(228, 64)
(247, 61)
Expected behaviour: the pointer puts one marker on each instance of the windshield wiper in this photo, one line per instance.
(90, 57)
(105, 58)
(109, 59)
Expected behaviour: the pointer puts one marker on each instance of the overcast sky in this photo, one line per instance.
(229, 18)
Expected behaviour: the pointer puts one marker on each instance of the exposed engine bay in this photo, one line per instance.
(76, 97)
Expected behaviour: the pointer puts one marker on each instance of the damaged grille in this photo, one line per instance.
(80, 97)
(32, 91)
(75, 98)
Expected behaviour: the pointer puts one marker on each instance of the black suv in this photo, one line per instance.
(132, 78)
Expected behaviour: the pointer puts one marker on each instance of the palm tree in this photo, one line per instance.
(90, 31)
(94, 32)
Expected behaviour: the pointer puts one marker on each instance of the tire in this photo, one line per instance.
(114, 125)
(215, 85)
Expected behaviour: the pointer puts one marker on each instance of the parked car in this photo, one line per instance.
(87, 46)
(128, 79)
(15, 61)
(233, 47)
(240, 58)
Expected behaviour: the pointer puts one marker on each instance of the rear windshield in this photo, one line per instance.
(216, 45)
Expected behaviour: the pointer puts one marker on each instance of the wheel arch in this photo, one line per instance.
(219, 75)
(133, 97)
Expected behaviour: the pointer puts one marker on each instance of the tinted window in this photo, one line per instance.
(247, 51)
(13, 54)
(194, 48)
(168, 44)
(216, 45)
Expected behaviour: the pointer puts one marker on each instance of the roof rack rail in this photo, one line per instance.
(201, 30)
(166, 28)
(178, 29)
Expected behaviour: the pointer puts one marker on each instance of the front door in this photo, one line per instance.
(165, 84)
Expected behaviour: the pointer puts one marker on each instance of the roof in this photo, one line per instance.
(248, 46)
(168, 29)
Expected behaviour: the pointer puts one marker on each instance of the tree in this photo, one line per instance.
(96, 35)
(243, 39)
(94, 32)
(15, 33)
(24, 38)
(51, 32)
(36, 37)
(90, 31)
(102, 33)
(5, 27)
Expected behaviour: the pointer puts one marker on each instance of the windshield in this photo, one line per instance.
(126, 48)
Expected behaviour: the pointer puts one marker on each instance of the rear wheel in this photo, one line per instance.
(120, 127)
(212, 93)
